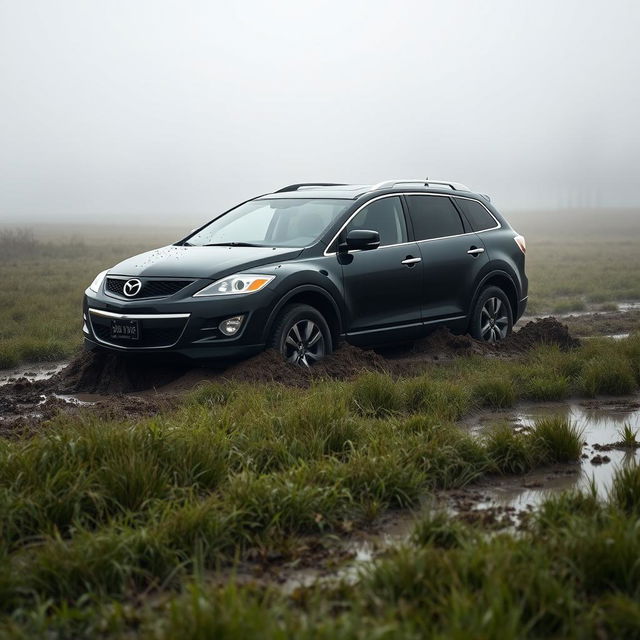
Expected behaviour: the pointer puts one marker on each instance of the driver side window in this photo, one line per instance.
(384, 216)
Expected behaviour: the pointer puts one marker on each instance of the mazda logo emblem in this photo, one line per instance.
(132, 287)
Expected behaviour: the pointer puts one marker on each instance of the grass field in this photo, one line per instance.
(574, 259)
(177, 525)
(110, 527)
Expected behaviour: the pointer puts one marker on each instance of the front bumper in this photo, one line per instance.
(185, 327)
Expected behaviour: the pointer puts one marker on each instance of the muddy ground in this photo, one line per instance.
(603, 323)
(120, 387)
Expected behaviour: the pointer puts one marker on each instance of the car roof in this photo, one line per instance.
(355, 191)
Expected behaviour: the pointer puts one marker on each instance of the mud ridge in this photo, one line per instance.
(107, 373)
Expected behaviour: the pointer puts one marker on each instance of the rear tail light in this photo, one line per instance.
(522, 245)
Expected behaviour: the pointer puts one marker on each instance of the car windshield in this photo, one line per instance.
(274, 222)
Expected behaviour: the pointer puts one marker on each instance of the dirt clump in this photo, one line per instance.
(537, 332)
(345, 362)
(110, 373)
(442, 344)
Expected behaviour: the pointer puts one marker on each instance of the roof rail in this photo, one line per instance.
(295, 187)
(388, 184)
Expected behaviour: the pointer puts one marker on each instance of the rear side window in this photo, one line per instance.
(434, 217)
(479, 218)
(384, 216)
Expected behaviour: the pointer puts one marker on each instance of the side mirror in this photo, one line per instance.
(363, 239)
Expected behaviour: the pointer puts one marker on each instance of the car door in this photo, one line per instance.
(381, 286)
(452, 256)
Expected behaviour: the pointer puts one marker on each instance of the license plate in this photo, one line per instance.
(125, 329)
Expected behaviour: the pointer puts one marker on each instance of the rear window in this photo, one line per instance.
(434, 217)
(479, 218)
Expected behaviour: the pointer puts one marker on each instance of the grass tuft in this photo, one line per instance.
(612, 376)
(510, 452)
(628, 437)
(377, 395)
(496, 393)
(557, 440)
(625, 489)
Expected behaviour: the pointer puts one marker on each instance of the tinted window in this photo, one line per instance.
(479, 218)
(384, 216)
(434, 217)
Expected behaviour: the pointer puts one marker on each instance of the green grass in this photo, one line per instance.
(496, 393)
(628, 437)
(571, 571)
(96, 506)
(611, 376)
(557, 439)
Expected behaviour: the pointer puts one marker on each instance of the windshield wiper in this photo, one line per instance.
(232, 244)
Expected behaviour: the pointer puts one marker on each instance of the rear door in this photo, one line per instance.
(452, 256)
(382, 286)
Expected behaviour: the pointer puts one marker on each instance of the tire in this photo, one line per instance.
(301, 335)
(492, 318)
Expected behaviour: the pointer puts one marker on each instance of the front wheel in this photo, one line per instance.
(301, 335)
(492, 318)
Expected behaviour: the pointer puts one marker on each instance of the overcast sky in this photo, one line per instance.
(116, 110)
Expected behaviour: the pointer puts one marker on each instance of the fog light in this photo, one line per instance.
(231, 326)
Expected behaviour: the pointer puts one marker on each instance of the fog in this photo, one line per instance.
(169, 111)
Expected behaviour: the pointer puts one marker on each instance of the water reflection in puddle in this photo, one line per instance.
(32, 373)
(601, 423)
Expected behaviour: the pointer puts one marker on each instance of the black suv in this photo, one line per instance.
(303, 267)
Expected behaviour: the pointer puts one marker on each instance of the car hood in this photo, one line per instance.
(200, 262)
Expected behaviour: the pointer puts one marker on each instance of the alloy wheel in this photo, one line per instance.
(304, 343)
(494, 321)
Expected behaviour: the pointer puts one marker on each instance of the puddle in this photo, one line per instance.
(601, 423)
(392, 529)
(78, 400)
(613, 336)
(628, 306)
(32, 372)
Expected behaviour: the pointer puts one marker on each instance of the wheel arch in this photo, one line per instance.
(502, 280)
(315, 297)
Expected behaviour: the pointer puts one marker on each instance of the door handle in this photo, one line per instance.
(475, 251)
(410, 260)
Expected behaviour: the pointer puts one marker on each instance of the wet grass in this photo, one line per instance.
(628, 437)
(571, 571)
(107, 508)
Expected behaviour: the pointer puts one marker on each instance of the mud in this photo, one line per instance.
(610, 324)
(25, 406)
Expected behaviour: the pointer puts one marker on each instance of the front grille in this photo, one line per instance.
(151, 333)
(150, 288)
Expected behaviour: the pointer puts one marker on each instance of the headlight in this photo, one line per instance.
(95, 285)
(231, 285)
